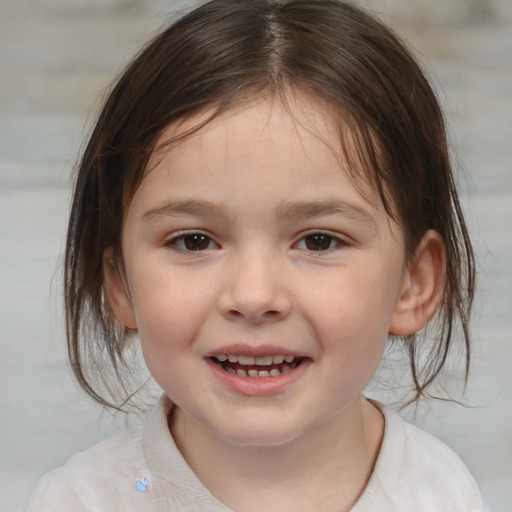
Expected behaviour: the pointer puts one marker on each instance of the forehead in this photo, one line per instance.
(290, 127)
(262, 155)
(244, 129)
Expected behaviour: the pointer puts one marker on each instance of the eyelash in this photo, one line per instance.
(179, 242)
(320, 236)
(205, 241)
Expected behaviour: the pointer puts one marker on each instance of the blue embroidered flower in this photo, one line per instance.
(142, 485)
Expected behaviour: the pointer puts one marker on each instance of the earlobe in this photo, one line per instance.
(116, 291)
(422, 288)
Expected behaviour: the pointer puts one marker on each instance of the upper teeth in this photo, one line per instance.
(258, 361)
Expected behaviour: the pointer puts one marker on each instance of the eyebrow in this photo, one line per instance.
(189, 207)
(285, 211)
(305, 209)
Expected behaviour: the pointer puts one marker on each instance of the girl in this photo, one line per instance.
(265, 200)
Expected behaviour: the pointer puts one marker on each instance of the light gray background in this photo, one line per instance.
(56, 58)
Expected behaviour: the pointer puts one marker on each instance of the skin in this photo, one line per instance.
(248, 237)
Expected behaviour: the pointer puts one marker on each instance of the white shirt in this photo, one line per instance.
(143, 471)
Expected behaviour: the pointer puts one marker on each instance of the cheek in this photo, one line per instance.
(352, 357)
(351, 315)
(166, 336)
(168, 315)
(168, 298)
(356, 351)
(353, 301)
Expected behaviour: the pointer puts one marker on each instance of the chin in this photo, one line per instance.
(262, 433)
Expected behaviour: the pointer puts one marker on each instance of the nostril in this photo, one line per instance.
(271, 314)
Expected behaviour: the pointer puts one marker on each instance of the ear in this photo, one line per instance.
(422, 288)
(116, 291)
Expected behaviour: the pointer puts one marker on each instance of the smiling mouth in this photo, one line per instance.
(257, 367)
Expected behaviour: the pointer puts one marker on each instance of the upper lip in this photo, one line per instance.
(255, 351)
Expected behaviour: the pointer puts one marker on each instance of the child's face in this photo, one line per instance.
(249, 240)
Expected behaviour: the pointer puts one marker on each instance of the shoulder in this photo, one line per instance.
(138, 471)
(94, 478)
(416, 471)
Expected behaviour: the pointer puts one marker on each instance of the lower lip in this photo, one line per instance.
(257, 386)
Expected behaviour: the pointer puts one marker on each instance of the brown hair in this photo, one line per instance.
(226, 52)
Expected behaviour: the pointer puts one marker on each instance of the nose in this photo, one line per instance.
(255, 289)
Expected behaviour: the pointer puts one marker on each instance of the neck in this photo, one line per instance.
(324, 469)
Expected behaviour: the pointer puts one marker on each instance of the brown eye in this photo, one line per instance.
(193, 242)
(320, 242)
(196, 242)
